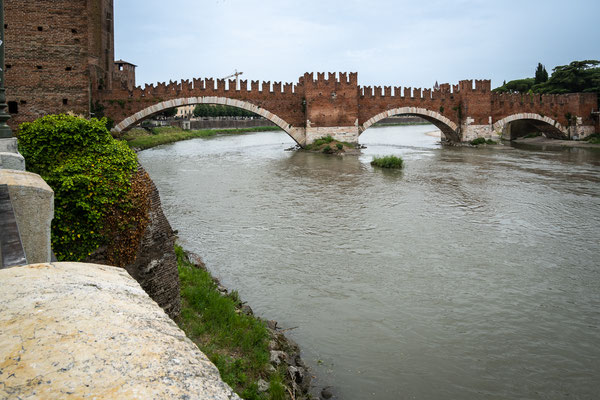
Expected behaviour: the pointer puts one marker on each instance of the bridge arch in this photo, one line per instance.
(448, 128)
(544, 124)
(129, 122)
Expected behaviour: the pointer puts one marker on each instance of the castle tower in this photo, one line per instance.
(58, 55)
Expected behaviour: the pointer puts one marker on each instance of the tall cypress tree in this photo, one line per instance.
(541, 75)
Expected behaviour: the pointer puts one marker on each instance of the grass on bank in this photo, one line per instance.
(392, 162)
(235, 342)
(142, 139)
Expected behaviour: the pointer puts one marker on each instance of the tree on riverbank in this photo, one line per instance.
(578, 76)
(217, 110)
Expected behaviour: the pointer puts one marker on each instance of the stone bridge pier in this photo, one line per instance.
(336, 105)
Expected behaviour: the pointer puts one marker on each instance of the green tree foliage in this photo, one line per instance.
(541, 75)
(90, 174)
(516, 86)
(217, 110)
(578, 76)
(169, 113)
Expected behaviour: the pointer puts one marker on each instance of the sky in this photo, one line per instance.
(393, 43)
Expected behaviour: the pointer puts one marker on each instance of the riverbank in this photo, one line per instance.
(253, 356)
(543, 141)
(142, 139)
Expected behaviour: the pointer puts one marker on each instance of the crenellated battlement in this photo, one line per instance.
(331, 102)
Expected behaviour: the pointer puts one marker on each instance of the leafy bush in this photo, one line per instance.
(339, 146)
(388, 162)
(477, 141)
(323, 140)
(327, 149)
(90, 174)
(593, 138)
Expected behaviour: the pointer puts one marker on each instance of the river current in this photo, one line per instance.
(474, 273)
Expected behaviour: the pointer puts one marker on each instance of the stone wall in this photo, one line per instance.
(78, 330)
(155, 265)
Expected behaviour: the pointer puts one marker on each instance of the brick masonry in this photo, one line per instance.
(337, 105)
(59, 55)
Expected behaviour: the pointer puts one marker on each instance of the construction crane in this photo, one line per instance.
(237, 78)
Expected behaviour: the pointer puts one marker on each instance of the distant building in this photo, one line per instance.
(185, 111)
(59, 54)
(436, 86)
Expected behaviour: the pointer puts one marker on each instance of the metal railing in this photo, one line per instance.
(11, 246)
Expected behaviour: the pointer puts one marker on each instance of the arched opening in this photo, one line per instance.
(149, 112)
(448, 128)
(524, 125)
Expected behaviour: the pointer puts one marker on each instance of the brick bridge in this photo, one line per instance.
(338, 106)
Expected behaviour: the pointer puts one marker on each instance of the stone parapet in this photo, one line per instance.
(340, 133)
(33, 204)
(75, 330)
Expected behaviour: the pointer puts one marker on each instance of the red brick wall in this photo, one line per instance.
(285, 101)
(38, 61)
(331, 101)
(56, 50)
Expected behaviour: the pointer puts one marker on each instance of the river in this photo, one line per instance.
(474, 273)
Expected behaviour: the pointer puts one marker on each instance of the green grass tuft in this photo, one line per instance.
(388, 162)
(235, 342)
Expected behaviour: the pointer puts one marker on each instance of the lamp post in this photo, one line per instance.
(5, 131)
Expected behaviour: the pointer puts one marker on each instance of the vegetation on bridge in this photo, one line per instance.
(91, 175)
(578, 76)
(329, 145)
(138, 138)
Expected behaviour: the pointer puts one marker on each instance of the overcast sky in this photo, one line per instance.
(397, 43)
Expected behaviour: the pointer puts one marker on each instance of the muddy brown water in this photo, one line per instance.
(471, 274)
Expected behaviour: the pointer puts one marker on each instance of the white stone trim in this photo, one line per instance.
(500, 124)
(296, 133)
(408, 110)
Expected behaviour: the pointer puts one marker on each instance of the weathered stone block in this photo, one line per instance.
(75, 330)
(33, 203)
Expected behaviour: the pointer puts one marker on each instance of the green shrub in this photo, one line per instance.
(477, 141)
(593, 138)
(327, 149)
(90, 174)
(388, 162)
(323, 140)
(339, 146)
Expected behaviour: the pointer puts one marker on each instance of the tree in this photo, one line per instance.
(541, 75)
(169, 113)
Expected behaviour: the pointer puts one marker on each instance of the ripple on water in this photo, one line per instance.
(471, 274)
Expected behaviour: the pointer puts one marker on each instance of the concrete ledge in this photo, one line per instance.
(10, 160)
(33, 203)
(75, 330)
(8, 145)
